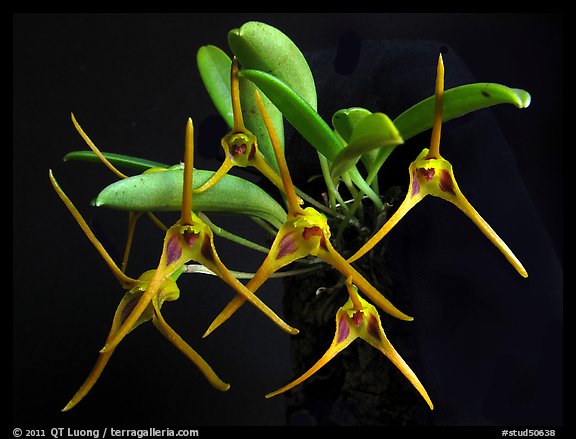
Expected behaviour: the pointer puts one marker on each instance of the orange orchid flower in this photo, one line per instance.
(240, 144)
(431, 174)
(359, 319)
(189, 239)
(167, 290)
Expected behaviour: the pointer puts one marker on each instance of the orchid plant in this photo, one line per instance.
(267, 80)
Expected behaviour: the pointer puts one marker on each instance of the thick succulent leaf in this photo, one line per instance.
(162, 191)
(459, 101)
(214, 67)
(344, 122)
(118, 160)
(346, 119)
(373, 132)
(260, 46)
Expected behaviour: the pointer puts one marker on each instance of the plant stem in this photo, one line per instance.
(330, 187)
(200, 269)
(364, 187)
(271, 230)
(219, 231)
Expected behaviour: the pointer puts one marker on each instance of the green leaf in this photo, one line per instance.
(346, 119)
(374, 131)
(457, 102)
(298, 112)
(344, 122)
(117, 160)
(214, 67)
(162, 191)
(259, 46)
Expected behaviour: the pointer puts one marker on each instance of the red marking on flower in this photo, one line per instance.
(323, 245)
(428, 174)
(358, 317)
(173, 250)
(343, 329)
(288, 244)
(446, 183)
(415, 185)
(128, 308)
(207, 250)
(238, 149)
(311, 231)
(190, 237)
(374, 327)
(252, 152)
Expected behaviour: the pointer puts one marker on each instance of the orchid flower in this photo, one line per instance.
(188, 239)
(305, 232)
(359, 319)
(240, 144)
(167, 290)
(431, 174)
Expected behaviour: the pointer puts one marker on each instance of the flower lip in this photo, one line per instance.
(358, 317)
(311, 231)
(190, 236)
(310, 218)
(238, 149)
(427, 173)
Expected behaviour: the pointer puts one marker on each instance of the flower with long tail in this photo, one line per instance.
(305, 232)
(189, 239)
(167, 290)
(240, 144)
(359, 319)
(431, 174)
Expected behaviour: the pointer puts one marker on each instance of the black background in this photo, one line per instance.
(131, 80)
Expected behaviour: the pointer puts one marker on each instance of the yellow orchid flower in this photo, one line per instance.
(359, 319)
(189, 239)
(431, 174)
(240, 144)
(305, 232)
(167, 290)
